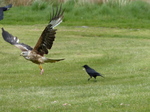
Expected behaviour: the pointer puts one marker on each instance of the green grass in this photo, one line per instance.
(111, 39)
(122, 55)
(134, 14)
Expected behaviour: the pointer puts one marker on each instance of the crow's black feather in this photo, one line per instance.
(5, 8)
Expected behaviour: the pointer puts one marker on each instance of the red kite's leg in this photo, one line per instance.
(42, 70)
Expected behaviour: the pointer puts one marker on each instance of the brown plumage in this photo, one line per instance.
(45, 42)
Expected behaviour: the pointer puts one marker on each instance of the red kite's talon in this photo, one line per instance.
(42, 71)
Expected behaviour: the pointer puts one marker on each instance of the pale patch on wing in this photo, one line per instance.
(56, 22)
(23, 47)
(14, 41)
(47, 37)
(56, 17)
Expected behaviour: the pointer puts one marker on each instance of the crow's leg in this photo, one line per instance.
(89, 78)
(95, 79)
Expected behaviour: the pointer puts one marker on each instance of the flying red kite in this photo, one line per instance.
(45, 42)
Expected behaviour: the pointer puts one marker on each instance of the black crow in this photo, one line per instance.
(4, 9)
(91, 72)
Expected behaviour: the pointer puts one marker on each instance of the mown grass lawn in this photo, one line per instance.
(121, 55)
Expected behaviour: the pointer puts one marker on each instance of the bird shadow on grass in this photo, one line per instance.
(93, 80)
